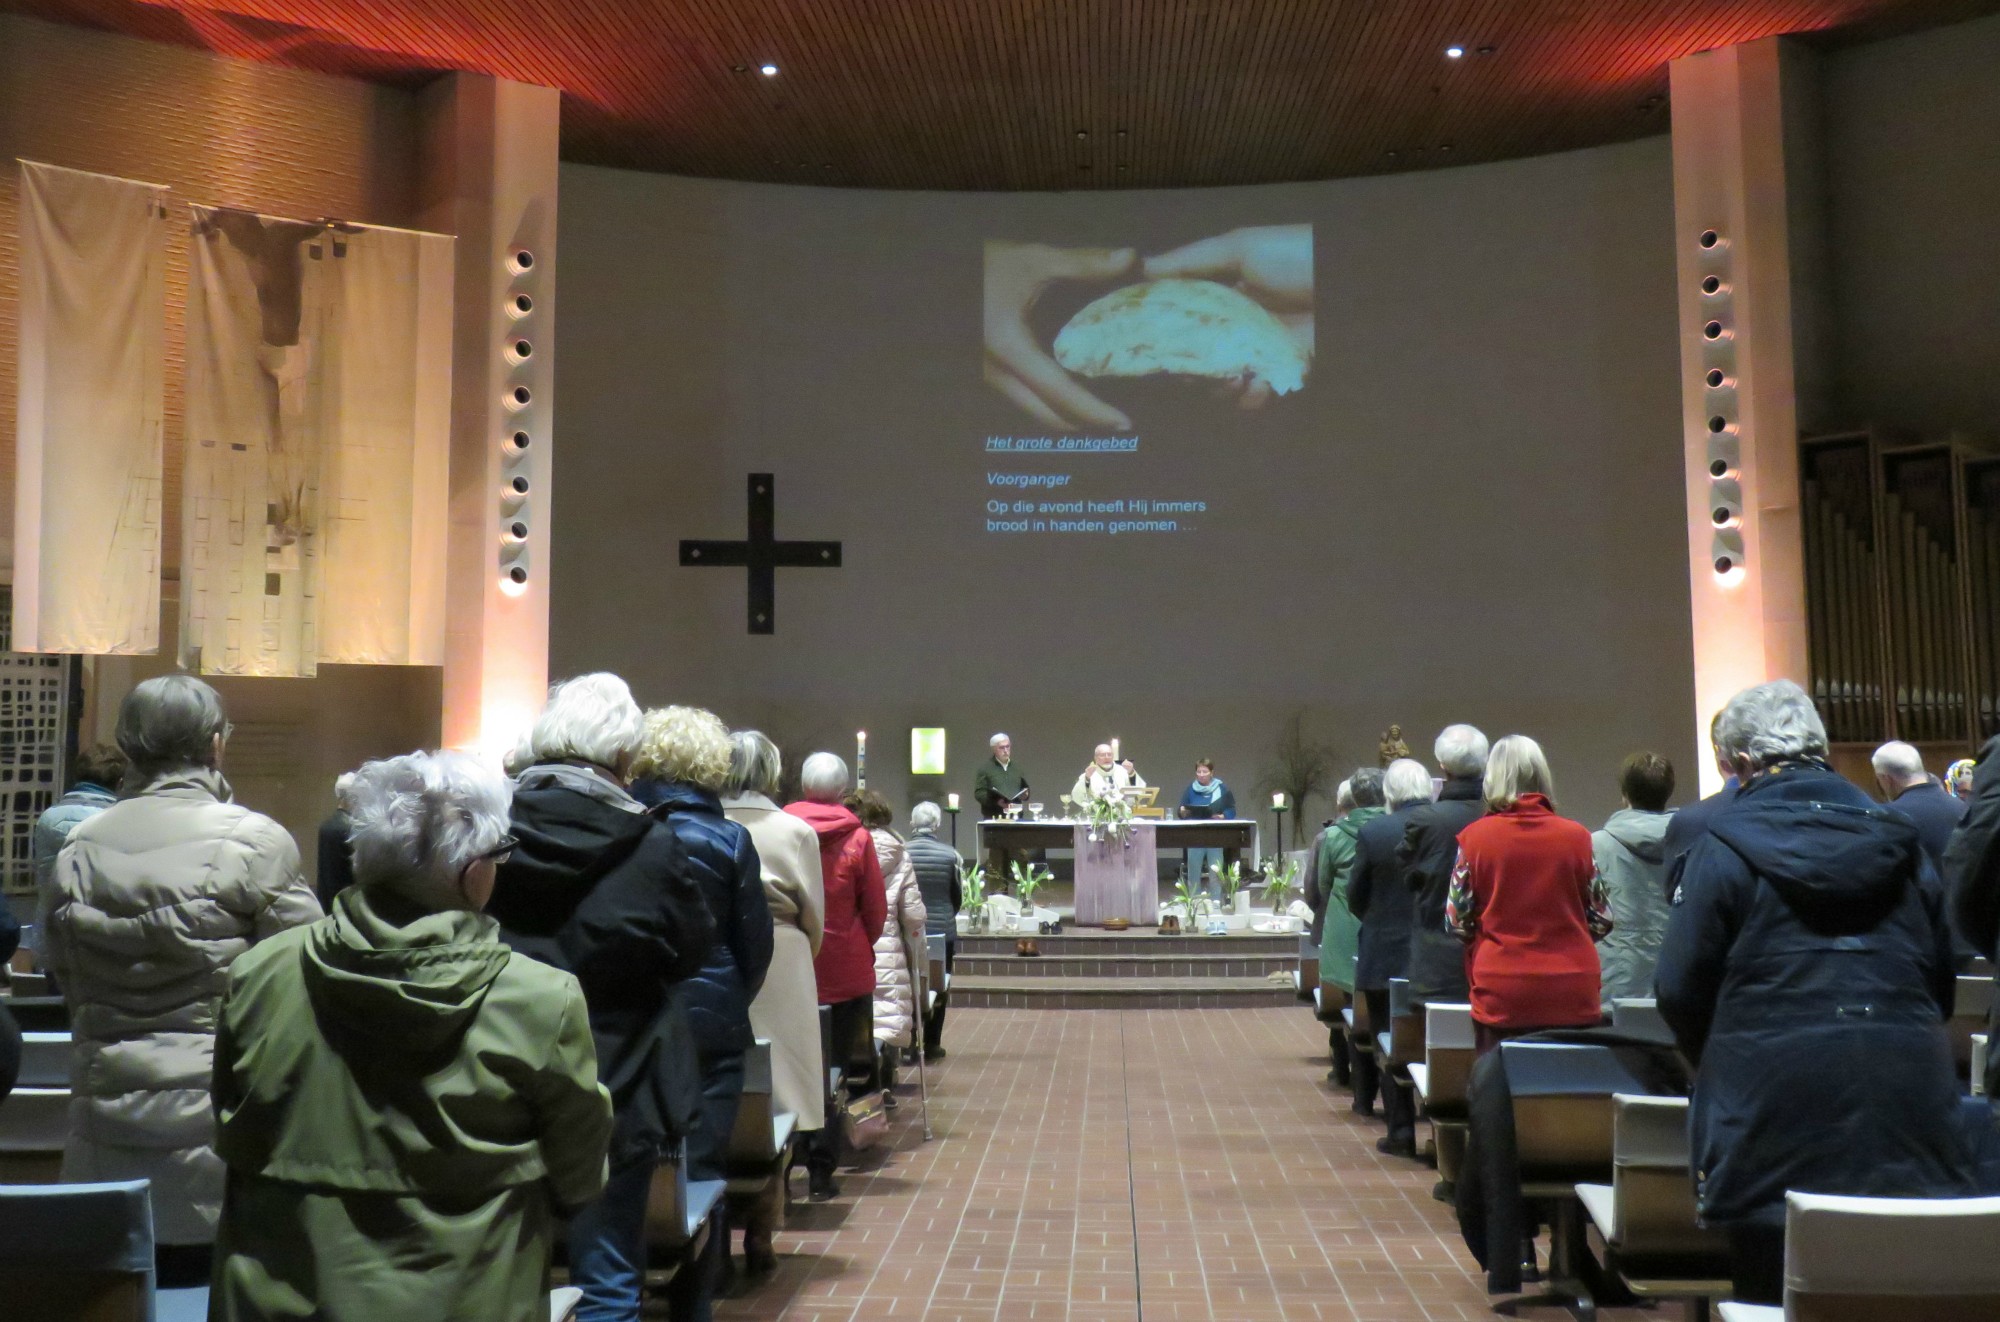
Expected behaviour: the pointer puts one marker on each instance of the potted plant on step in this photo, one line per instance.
(1281, 880)
(972, 889)
(1192, 902)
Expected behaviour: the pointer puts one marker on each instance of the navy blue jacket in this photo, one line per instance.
(1807, 972)
(724, 865)
(1689, 824)
(1377, 896)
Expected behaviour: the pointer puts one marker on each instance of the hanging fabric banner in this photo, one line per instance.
(88, 465)
(319, 417)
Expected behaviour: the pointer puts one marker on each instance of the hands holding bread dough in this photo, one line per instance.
(1236, 307)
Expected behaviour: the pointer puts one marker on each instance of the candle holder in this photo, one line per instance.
(1278, 829)
(952, 808)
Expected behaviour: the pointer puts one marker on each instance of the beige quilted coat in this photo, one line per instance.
(151, 901)
(896, 949)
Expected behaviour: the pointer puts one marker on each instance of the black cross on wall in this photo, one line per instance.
(762, 554)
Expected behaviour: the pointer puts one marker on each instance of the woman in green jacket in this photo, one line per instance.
(402, 1102)
(1340, 934)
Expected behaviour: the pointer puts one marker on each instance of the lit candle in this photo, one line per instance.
(861, 759)
(951, 803)
(1278, 802)
(1114, 748)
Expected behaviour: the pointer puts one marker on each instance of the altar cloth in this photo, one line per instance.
(1118, 876)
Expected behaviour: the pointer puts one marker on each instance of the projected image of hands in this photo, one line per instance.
(1233, 309)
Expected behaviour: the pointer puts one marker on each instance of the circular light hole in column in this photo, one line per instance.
(1712, 331)
(519, 486)
(1720, 515)
(1711, 284)
(1718, 468)
(1718, 424)
(521, 440)
(522, 260)
(521, 350)
(518, 575)
(523, 305)
(1715, 378)
(1709, 238)
(1724, 563)
(522, 396)
(518, 530)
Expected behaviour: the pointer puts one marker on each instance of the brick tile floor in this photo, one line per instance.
(1107, 1166)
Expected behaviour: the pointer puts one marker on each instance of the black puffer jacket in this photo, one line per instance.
(1377, 896)
(599, 888)
(1807, 973)
(1428, 853)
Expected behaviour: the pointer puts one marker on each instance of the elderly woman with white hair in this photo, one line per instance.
(786, 1009)
(938, 868)
(1377, 896)
(404, 1104)
(602, 889)
(682, 764)
(857, 905)
(150, 903)
(1807, 973)
(1428, 853)
(1527, 902)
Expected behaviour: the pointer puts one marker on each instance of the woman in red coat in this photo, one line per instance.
(857, 906)
(1526, 900)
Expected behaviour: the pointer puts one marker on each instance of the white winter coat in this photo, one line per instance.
(896, 949)
(151, 902)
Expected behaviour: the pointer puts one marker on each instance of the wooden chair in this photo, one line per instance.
(1968, 1017)
(1305, 980)
(760, 1146)
(679, 1213)
(40, 1014)
(1562, 1137)
(34, 1125)
(1640, 1017)
(45, 1060)
(1891, 1259)
(84, 1253)
(1441, 1080)
(1646, 1216)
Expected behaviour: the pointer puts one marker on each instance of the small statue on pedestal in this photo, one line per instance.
(1392, 746)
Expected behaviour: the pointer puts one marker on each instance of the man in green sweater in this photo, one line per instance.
(998, 784)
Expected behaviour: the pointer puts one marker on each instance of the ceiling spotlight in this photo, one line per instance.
(739, 68)
(768, 70)
(1454, 52)
(1487, 50)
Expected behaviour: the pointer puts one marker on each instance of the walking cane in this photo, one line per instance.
(917, 1035)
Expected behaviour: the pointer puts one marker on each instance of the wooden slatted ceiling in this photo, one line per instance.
(992, 94)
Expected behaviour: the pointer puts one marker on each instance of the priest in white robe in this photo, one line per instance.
(1104, 778)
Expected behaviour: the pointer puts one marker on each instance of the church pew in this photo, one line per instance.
(680, 1215)
(1441, 1079)
(34, 1124)
(760, 1145)
(1968, 1016)
(1979, 1064)
(1305, 980)
(1891, 1259)
(1640, 1016)
(45, 1060)
(1563, 1123)
(40, 1014)
(1645, 1218)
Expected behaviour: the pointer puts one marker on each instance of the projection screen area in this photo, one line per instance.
(1326, 450)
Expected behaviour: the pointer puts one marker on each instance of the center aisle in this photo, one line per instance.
(1178, 1165)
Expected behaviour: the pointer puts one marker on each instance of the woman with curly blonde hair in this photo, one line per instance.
(682, 764)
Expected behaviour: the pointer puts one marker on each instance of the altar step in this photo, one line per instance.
(1087, 969)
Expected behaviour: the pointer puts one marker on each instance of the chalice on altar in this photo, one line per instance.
(1034, 812)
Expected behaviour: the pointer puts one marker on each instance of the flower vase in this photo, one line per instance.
(1242, 903)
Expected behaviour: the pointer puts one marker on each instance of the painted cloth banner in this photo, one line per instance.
(89, 475)
(319, 417)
